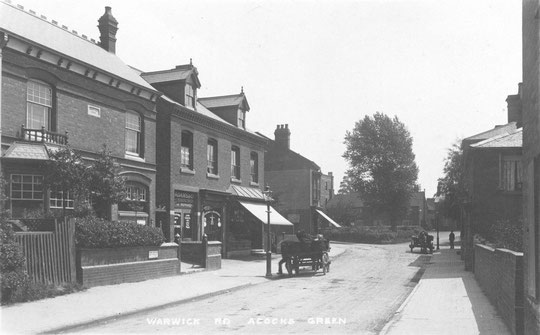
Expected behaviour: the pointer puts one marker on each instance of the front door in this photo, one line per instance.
(183, 224)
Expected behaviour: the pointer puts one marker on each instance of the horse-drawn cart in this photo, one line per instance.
(424, 241)
(296, 254)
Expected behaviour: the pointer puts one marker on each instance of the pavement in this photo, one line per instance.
(446, 300)
(103, 303)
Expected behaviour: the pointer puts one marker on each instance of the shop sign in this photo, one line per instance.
(184, 199)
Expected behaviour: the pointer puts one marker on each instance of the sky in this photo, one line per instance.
(443, 67)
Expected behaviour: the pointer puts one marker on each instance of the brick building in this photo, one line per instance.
(299, 186)
(531, 164)
(60, 87)
(210, 167)
(493, 177)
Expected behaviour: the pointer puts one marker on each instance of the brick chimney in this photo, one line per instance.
(108, 26)
(283, 136)
(515, 109)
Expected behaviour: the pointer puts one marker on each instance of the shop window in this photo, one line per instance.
(254, 165)
(186, 150)
(136, 206)
(235, 163)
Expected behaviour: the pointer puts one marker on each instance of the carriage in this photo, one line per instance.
(424, 241)
(314, 253)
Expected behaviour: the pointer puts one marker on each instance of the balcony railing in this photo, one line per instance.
(44, 136)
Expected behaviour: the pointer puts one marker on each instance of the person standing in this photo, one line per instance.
(452, 237)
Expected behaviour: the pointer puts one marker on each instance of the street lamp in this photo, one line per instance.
(268, 197)
(437, 217)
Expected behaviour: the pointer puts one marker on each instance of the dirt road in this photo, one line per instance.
(363, 289)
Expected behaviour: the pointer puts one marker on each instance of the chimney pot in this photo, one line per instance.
(283, 136)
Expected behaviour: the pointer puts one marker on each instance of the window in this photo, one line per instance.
(38, 105)
(186, 150)
(316, 187)
(136, 193)
(511, 173)
(57, 200)
(133, 133)
(241, 119)
(26, 187)
(254, 165)
(211, 154)
(136, 205)
(190, 96)
(235, 163)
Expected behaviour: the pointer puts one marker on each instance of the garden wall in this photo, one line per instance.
(205, 254)
(127, 264)
(500, 275)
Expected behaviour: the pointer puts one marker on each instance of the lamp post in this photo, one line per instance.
(437, 217)
(268, 197)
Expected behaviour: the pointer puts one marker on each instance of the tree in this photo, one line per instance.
(381, 164)
(106, 186)
(451, 186)
(345, 186)
(65, 172)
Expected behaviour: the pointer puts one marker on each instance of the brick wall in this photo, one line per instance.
(531, 149)
(505, 293)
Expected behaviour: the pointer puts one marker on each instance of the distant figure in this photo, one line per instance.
(452, 237)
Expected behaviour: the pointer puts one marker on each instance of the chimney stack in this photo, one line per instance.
(515, 109)
(108, 26)
(283, 136)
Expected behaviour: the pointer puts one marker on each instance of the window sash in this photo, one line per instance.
(132, 141)
(212, 158)
(26, 187)
(56, 200)
(186, 150)
(189, 96)
(133, 122)
(39, 94)
(37, 116)
(136, 193)
(235, 163)
(254, 167)
(511, 174)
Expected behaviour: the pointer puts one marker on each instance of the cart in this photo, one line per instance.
(312, 253)
(424, 241)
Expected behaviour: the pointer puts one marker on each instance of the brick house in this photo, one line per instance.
(296, 183)
(493, 177)
(60, 87)
(209, 165)
(531, 165)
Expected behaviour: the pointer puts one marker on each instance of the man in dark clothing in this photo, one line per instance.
(452, 237)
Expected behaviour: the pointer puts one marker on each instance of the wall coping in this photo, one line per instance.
(502, 250)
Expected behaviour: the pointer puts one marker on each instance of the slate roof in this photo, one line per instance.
(180, 72)
(346, 200)
(225, 101)
(34, 151)
(511, 140)
(278, 158)
(54, 37)
(498, 130)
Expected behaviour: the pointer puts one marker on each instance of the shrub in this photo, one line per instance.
(507, 234)
(12, 261)
(367, 234)
(92, 232)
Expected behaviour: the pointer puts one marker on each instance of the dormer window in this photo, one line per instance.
(190, 96)
(241, 118)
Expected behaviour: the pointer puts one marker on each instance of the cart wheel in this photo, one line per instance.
(288, 266)
(325, 263)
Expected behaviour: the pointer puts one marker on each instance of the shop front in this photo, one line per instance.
(185, 215)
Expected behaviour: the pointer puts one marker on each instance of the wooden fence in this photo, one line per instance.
(50, 256)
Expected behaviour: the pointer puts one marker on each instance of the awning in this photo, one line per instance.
(259, 211)
(328, 218)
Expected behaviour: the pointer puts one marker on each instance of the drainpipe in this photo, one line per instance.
(3, 42)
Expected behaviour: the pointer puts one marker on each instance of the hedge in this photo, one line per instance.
(12, 263)
(372, 235)
(91, 232)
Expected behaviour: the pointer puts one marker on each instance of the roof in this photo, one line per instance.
(280, 159)
(49, 35)
(498, 130)
(430, 204)
(417, 199)
(346, 200)
(225, 101)
(34, 151)
(512, 140)
(180, 72)
(246, 192)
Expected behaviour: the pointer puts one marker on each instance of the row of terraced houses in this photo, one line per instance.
(191, 164)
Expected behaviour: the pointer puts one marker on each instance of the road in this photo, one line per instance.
(365, 286)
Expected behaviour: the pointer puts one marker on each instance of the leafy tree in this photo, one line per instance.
(382, 166)
(106, 186)
(65, 172)
(345, 186)
(451, 186)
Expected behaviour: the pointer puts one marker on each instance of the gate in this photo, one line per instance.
(50, 256)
